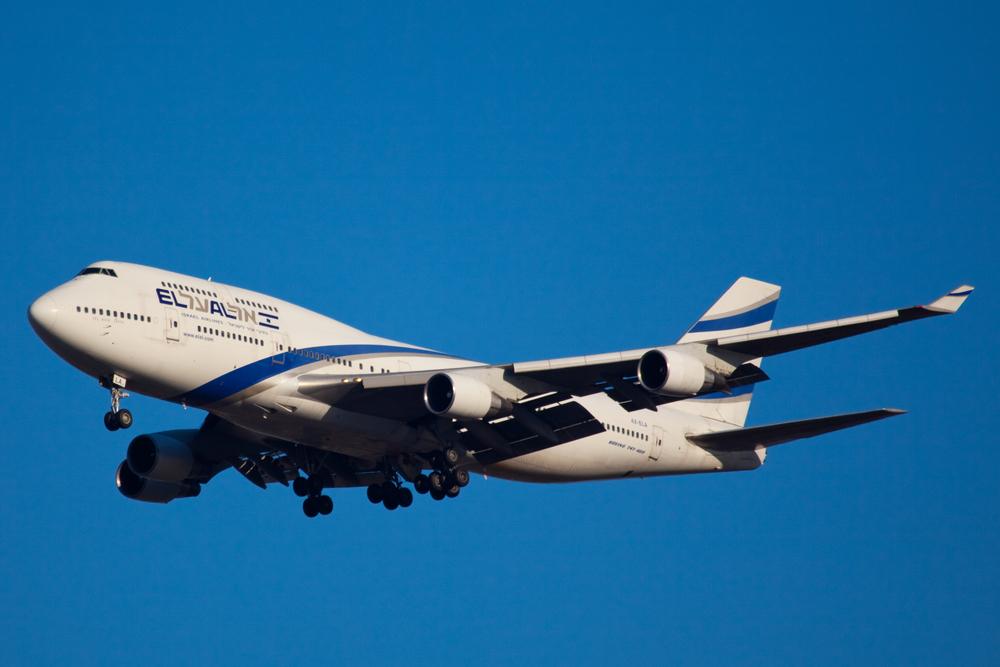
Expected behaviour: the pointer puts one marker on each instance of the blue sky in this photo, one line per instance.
(515, 182)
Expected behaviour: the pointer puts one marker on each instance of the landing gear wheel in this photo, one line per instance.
(436, 481)
(390, 495)
(110, 422)
(405, 497)
(461, 477)
(123, 418)
(309, 507)
(421, 484)
(437, 494)
(300, 487)
(453, 491)
(375, 493)
(324, 504)
(316, 485)
(451, 456)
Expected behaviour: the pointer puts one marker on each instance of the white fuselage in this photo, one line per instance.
(238, 353)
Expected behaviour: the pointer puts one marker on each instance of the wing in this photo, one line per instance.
(778, 341)
(735, 330)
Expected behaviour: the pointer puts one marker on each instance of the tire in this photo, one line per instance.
(451, 456)
(110, 422)
(300, 487)
(375, 493)
(316, 484)
(436, 481)
(123, 419)
(390, 493)
(390, 503)
(453, 491)
(405, 497)
(421, 484)
(309, 507)
(324, 504)
(461, 477)
(437, 494)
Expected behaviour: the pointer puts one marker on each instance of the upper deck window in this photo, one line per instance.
(98, 270)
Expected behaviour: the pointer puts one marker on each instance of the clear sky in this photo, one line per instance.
(513, 181)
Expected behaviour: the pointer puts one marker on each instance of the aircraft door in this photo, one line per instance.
(280, 343)
(655, 443)
(171, 325)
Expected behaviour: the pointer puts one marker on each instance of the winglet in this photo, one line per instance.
(953, 300)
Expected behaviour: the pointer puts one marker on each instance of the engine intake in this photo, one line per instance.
(164, 457)
(671, 373)
(462, 397)
(136, 487)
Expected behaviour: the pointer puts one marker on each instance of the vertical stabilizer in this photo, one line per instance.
(746, 307)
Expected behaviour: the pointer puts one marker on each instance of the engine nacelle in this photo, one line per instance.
(136, 487)
(672, 373)
(462, 397)
(164, 457)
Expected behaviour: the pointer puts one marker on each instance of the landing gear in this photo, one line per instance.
(421, 484)
(436, 481)
(314, 505)
(116, 420)
(446, 481)
(300, 487)
(309, 507)
(118, 417)
(311, 488)
(390, 493)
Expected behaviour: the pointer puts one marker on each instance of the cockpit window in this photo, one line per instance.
(99, 270)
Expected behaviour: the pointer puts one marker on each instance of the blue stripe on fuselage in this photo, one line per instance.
(763, 313)
(247, 376)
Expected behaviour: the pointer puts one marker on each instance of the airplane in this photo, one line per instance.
(302, 400)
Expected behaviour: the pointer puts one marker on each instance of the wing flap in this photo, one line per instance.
(742, 439)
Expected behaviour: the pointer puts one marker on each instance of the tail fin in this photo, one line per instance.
(746, 307)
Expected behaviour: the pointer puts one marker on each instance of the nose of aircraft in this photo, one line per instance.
(43, 314)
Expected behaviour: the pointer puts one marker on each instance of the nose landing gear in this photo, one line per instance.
(117, 417)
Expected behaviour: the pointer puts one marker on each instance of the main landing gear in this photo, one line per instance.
(441, 484)
(311, 488)
(391, 494)
(444, 481)
(117, 417)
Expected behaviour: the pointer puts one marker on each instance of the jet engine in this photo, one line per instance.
(462, 397)
(136, 487)
(164, 457)
(672, 373)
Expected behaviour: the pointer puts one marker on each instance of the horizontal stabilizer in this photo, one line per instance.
(787, 339)
(775, 434)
